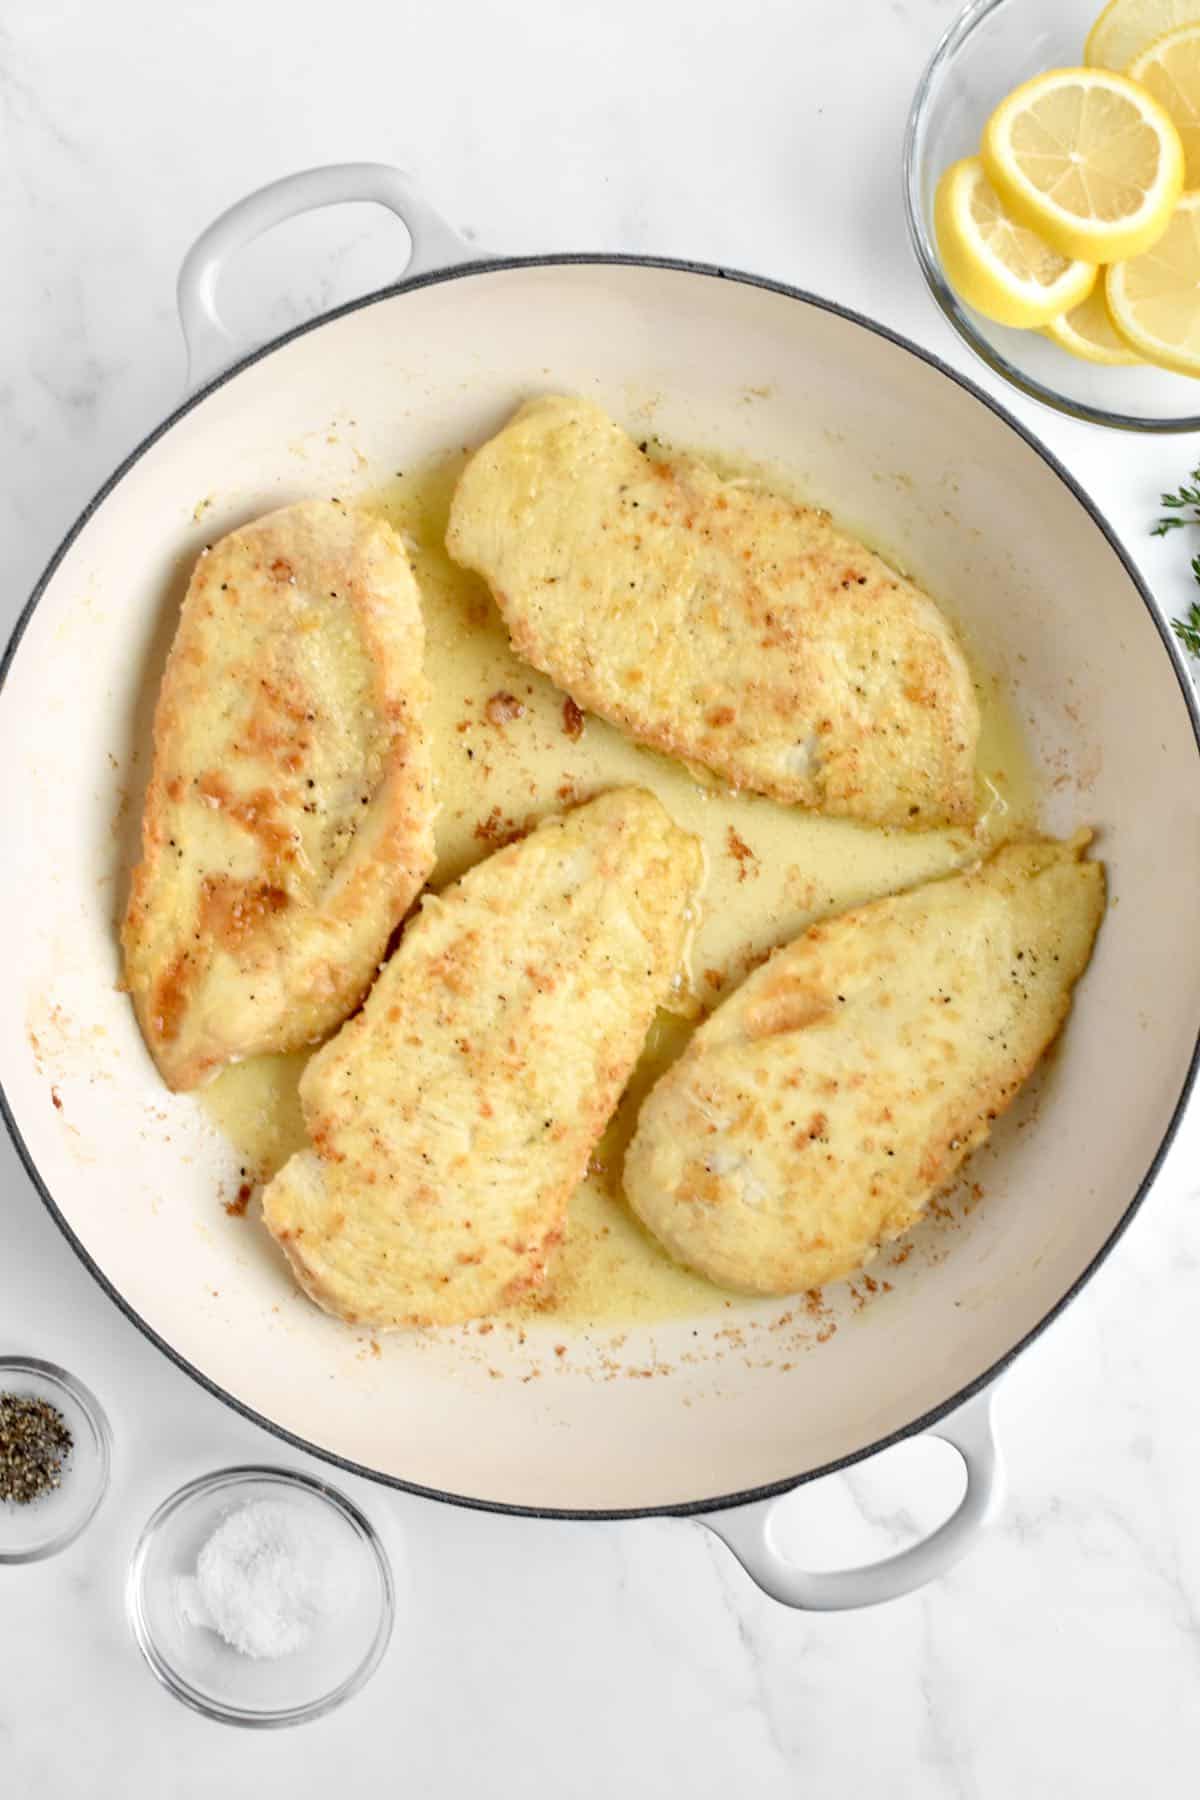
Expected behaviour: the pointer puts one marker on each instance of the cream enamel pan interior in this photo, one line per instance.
(690, 1413)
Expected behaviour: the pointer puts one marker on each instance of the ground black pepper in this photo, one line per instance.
(34, 1444)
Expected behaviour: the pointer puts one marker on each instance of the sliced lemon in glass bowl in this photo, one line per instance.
(1170, 70)
(988, 51)
(1087, 159)
(999, 267)
(1087, 331)
(1154, 299)
(1125, 27)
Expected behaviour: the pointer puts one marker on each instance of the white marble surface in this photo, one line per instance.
(564, 1661)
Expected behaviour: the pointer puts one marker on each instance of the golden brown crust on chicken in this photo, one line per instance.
(816, 1113)
(453, 1117)
(719, 623)
(289, 818)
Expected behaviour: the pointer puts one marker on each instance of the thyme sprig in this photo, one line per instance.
(1183, 508)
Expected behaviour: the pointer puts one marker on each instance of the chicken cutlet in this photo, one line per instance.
(717, 622)
(454, 1116)
(821, 1107)
(289, 818)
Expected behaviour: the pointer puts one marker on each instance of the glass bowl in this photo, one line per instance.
(44, 1526)
(990, 48)
(197, 1665)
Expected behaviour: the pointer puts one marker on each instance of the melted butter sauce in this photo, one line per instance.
(256, 1104)
(506, 752)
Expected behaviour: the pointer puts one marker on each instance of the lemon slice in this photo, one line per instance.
(997, 266)
(1087, 159)
(1088, 332)
(1170, 70)
(1154, 299)
(1125, 27)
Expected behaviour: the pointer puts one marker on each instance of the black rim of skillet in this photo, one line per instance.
(926, 1420)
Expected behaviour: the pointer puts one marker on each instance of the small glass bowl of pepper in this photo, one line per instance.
(54, 1456)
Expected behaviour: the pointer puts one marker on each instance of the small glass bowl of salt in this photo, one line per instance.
(260, 1596)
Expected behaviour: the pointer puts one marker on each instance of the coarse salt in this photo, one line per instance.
(264, 1580)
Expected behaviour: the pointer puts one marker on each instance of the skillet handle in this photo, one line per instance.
(747, 1531)
(210, 344)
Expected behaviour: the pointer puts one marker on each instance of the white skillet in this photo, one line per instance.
(977, 507)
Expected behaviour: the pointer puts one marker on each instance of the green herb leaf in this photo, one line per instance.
(1187, 496)
(1188, 630)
